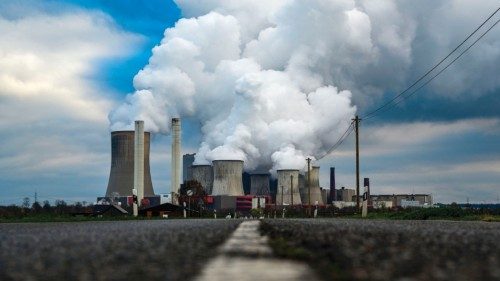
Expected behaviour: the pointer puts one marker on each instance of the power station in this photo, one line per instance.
(221, 185)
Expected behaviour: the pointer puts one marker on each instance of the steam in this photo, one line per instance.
(260, 78)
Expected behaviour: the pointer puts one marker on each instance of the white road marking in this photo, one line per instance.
(247, 256)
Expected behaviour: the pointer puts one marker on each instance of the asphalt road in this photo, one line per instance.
(391, 250)
(120, 250)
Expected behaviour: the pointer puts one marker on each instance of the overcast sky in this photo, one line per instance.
(65, 66)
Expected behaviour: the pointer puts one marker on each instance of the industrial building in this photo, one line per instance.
(402, 200)
(345, 195)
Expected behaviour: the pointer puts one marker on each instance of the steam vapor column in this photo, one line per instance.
(176, 155)
(139, 160)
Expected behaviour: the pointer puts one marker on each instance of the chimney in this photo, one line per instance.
(367, 184)
(176, 156)
(332, 186)
(139, 160)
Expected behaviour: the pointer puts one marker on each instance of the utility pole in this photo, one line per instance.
(309, 184)
(356, 128)
(291, 190)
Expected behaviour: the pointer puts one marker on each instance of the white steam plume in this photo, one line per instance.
(260, 76)
(259, 85)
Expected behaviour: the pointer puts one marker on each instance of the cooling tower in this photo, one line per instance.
(302, 182)
(175, 175)
(204, 174)
(121, 176)
(315, 190)
(285, 188)
(139, 160)
(259, 184)
(187, 162)
(228, 177)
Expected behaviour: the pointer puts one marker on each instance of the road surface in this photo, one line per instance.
(391, 250)
(119, 250)
(205, 249)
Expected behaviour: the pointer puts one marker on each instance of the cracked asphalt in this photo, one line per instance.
(115, 250)
(344, 249)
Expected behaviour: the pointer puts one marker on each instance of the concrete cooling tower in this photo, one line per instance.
(121, 176)
(228, 177)
(285, 185)
(204, 174)
(259, 184)
(315, 190)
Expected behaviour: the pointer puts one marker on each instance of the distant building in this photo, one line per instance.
(108, 210)
(403, 200)
(187, 161)
(345, 195)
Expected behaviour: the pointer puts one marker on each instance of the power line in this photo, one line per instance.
(437, 74)
(372, 113)
(342, 138)
(392, 102)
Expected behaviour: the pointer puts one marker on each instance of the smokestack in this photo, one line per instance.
(228, 177)
(176, 156)
(139, 160)
(332, 186)
(121, 175)
(259, 184)
(315, 189)
(367, 184)
(284, 187)
(204, 174)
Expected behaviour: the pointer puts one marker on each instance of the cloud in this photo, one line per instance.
(395, 138)
(53, 113)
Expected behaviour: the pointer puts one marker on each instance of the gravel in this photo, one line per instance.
(119, 250)
(390, 250)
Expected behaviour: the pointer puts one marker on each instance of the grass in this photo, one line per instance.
(65, 218)
(490, 218)
(442, 213)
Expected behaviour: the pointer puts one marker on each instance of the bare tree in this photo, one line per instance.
(26, 202)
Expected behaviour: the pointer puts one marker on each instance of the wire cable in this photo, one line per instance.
(339, 141)
(437, 74)
(370, 114)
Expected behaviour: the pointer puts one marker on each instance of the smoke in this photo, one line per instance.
(271, 82)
